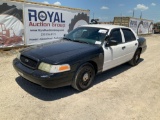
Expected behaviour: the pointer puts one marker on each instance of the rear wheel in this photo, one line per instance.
(135, 60)
(84, 77)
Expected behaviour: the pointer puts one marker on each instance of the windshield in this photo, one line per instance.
(87, 34)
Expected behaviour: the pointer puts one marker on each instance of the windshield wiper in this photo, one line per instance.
(75, 40)
(80, 41)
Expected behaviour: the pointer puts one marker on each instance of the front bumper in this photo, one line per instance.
(44, 79)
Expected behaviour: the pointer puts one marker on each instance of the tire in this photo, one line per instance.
(135, 60)
(84, 77)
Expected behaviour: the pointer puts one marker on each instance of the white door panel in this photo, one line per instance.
(131, 47)
(113, 56)
(123, 52)
(130, 42)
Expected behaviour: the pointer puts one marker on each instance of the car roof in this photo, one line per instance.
(105, 26)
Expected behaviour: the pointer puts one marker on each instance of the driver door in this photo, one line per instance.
(114, 55)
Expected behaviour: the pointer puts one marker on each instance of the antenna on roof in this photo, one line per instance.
(93, 15)
(133, 13)
(141, 15)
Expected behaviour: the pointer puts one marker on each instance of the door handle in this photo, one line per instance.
(136, 44)
(123, 47)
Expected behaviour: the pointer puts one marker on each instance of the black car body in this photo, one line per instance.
(73, 53)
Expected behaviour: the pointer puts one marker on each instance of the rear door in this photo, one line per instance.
(131, 43)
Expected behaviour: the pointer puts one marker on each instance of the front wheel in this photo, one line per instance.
(84, 77)
(135, 60)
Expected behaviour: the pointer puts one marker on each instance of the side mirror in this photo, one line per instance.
(106, 38)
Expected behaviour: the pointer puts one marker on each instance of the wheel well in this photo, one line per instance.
(94, 65)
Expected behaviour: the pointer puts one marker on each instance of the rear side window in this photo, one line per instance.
(128, 35)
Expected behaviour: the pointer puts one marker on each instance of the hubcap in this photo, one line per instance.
(85, 77)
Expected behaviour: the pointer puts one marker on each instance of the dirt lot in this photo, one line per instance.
(122, 93)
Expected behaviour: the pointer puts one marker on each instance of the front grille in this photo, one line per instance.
(29, 62)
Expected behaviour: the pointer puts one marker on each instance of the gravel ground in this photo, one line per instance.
(122, 93)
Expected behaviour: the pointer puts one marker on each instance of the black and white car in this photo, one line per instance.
(79, 56)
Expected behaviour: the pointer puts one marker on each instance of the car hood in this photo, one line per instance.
(54, 52)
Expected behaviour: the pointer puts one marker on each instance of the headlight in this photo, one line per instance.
(18, 55)
(53, 68)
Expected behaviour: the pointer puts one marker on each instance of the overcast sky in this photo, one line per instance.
(105, 10)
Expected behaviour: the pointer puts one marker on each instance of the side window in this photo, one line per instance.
(116, 35)
(128, 35)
